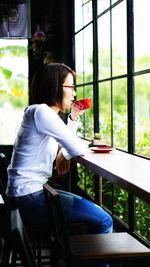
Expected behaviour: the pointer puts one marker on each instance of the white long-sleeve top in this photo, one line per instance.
(36, 147)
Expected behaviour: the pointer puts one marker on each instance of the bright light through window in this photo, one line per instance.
(13, 86)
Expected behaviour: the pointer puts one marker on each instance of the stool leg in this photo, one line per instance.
(5, 254)
(14, 258)
(39, 254)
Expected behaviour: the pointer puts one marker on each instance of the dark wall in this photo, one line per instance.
(7, 151)
(67, 24)
(55, 18)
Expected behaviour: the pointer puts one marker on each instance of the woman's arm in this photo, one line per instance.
(48, 122)
(62, 164)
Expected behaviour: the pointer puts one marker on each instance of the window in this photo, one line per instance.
(84, 60)
(112, 62)
(13, 86)
(113, 66)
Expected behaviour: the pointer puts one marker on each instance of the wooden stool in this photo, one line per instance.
(90, 248)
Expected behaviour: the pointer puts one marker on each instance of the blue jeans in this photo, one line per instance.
(33, 208)
(77, 208)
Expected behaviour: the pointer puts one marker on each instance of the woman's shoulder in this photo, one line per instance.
(41, 112)
(34, 107)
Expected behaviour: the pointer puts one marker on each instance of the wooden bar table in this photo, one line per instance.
(129, 171)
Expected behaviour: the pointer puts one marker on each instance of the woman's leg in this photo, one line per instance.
(77, 208)
(33, 208)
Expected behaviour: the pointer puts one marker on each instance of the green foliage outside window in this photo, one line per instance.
(120, 205)
(120, 201)
(13, 87)
(143, 218)
(86, 180)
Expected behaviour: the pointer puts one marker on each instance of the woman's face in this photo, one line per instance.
(68, 92)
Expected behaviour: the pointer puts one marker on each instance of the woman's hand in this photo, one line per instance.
(75, 113)
(62, 164)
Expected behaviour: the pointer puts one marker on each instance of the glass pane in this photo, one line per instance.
(142, 115)
(114, 1)
(13, 87)
(104, 45)
(83, 13)
(80, 92)
(89, 120)
(105, 111)
(141, 36)
(78, 15)
(79, 57)
(84, 55)
(81, 128)
(119, 39)
(102, 5)
(120, 113)
(88, 54)
(86, 128)
(87, 11)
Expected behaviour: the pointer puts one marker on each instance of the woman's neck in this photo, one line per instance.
(55, 108)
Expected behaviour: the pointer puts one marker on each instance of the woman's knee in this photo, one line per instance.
(107, 226)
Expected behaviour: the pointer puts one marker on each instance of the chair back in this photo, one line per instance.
(34, 231)
(20, 240)
(3, 169)
(58, 221)
(5, 205)
(3, 182)
(15, 241)
(5, 234)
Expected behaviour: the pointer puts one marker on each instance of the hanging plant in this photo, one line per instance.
(38, 41)
(43, 44)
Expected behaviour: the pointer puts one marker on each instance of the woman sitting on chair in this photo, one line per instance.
(41, 133)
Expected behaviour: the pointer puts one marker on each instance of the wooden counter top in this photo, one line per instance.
(129, 171)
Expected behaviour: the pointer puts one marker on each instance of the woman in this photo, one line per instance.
(43, 139)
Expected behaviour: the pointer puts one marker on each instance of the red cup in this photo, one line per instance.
(83, 104)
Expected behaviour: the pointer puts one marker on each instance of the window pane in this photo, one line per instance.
(120, 113)
(88, 54)
(87, 124)
(113, 1)
(141, 34)
(119, 39)
(80, 92)
(105, 110)
(87, 11)
(79, 57)
(78, 15)
(142, 115)
(84, 56)
(104, 45)
(83, 13)
(102, 5)
(13, 87)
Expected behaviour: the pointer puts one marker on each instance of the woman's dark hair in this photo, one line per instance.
(46, 85)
